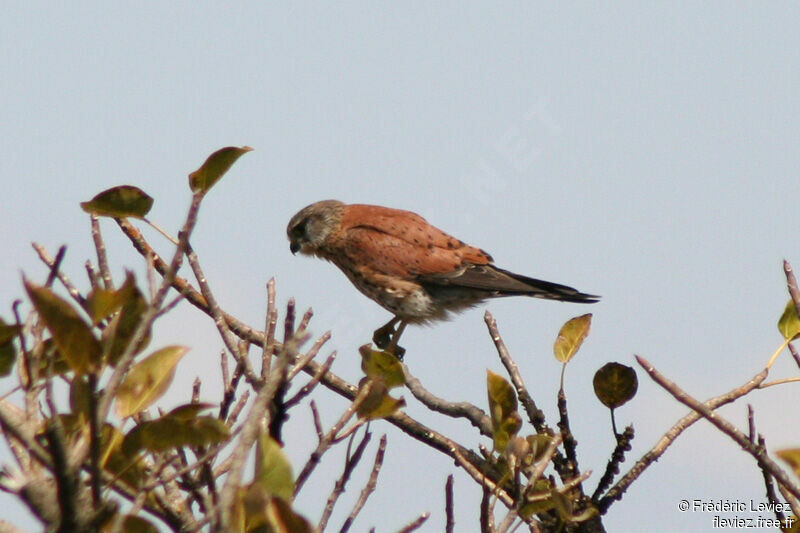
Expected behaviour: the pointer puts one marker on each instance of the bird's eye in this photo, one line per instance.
(298, 231)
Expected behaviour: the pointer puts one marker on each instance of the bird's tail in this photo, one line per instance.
(538, 288)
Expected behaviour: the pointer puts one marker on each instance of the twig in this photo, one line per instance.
(161, 230)
(760, 455)
(62, 250)
(63, 278)
(317, 421)
(301, 362)
(535, 414)
(258, 414)
(473, 414)
(315, 379)
(791, 285)
(146, 320)
(234, 415)
(328, 438)
(416, 524)
(269, 330)
(102, 259)
(482, 480)
(350, 462)
(570, 445)
(770, 486)
(450, 521)
(616, 492)
(612, 467)
(369, 488)
(219, 320)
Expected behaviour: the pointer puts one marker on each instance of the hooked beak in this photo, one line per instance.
(294, 246)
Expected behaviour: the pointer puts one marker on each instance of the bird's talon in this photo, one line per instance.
(397, 351)
(383, 336)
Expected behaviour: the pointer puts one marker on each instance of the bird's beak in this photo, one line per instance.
(294, 246)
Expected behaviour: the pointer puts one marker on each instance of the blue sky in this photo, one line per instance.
(646, 152)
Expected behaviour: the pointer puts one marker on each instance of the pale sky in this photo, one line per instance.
(645, 152)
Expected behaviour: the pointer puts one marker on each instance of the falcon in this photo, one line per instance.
(410, 268)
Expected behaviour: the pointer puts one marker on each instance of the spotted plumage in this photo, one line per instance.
(409, 267)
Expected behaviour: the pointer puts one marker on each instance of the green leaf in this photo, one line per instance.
(789, 324)
(71, 333)
(540, 498)
(615, 384)
(273, 470)
(383, 365)
(506, 421)
(148, 380)
(120, 330)
(539, 444)
(8, 352)
(571, 337)
(122, 466)
(120, 202)
(217, 164)
(8, 332)
(53, 360)
(102, 303)
(378, 403)
(175, 429)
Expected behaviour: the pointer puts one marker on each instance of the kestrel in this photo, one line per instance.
(409, 267)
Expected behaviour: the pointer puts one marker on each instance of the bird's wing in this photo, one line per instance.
(402, 243)
(504, 283)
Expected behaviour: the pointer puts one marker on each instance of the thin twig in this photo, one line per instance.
(476, 416)
(369, 488)
(102, 258)
(259, 414)
(416, 524)
(350, 462)
(219, 320)
(791, 285)
(535, 414)
(315, 379)
(450, 521)
(329, 438)
(63, 278)
(760, 455)
(616, 492)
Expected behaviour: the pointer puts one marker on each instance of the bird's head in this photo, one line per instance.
(308, 230)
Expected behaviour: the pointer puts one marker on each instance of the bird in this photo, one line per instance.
(409, 267)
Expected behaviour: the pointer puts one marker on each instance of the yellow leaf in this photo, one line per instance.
(571, 337)
(148, 380)
(72, 335)
(789, 324)
(217, 164)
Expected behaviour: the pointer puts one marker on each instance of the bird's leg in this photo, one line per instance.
(393, 348)
(383, 335)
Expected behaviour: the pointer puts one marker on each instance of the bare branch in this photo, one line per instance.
(450, 522)
(616, 492)
(63, 278)
(759, 454)
(416, 524)
(369, 488)
(329, 438)
(350, 462)
(476, 416)
(100, 248)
